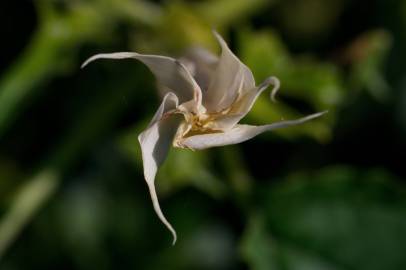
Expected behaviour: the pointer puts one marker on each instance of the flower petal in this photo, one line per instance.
(168, 71)
(155, 142)
(231, 77)
(238, 133)
(201, 64)
(244, 104)
(169, 102)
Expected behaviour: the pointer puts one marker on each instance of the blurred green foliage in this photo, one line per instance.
(71, 185)
(337, 218)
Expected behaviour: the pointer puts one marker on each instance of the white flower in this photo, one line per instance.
(205, 98)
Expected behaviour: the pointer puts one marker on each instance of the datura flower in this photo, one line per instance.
(204, 99)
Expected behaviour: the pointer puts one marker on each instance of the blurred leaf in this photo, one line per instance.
(257, 247)
(10, 172)
(235, 167)
(225, 13)
(401, 105)
(338, 218)
(262, 251)
(25, 205)
(367, 56)
(183, 24)
(301, 24)
(178, 29)
(53, 48)
(43, 58)
(102, 217)
(317, 84)
(38, 188)
(213, 241)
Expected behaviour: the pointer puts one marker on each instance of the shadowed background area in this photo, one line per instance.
(328, 194)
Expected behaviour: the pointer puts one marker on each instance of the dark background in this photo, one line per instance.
(329, 194)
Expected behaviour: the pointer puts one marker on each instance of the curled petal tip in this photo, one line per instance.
(174, 235)
(90, 59)
(315, 115)
(174, 239)
(158, 211)
(219, 38)
(84, 65)
(276, 85)
(320, 113)
(117, 55)
(270, 81)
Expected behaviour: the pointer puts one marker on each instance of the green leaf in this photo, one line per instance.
(338, 218)
(367, 55)
(262, 251)
(319, 85)
(316, 82)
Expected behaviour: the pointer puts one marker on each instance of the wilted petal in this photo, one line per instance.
(243, 105)
(168, 71)
(238, 134)
(155, 142)
(230, 77)
(169, 102)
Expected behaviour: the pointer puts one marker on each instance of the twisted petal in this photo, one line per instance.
(244, 104)
(230, 78)
(168, 71)
(239, 133)
(155, 142)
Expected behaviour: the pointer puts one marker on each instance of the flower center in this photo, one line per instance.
(199, 124)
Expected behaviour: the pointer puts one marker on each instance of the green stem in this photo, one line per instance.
(25, 205)
(55, 42)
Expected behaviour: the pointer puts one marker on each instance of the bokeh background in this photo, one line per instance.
(329, 194)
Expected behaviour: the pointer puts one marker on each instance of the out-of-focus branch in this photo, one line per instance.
(36, 190)
(55, 43)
